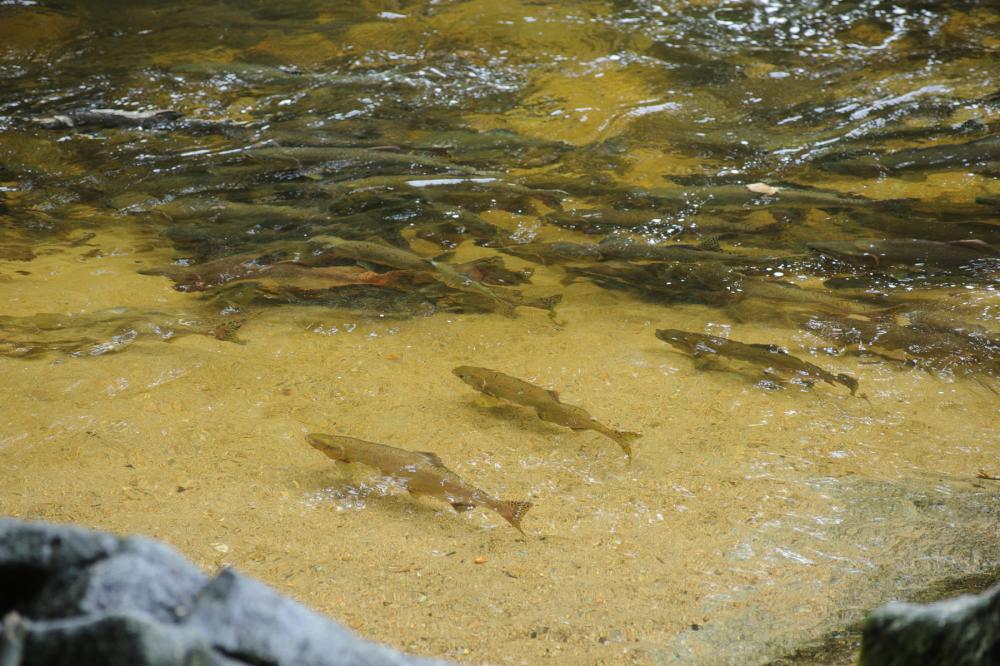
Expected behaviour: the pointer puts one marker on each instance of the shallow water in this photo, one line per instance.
(147, 394)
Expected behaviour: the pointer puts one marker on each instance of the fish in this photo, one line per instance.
(421, 472)
(450, 277)
(975, 155)
(91, 334)
(908, 251)
(770, 359)
(791, 296)
(930, 342)
(598, 220)
(406, 260)
(493, 146)
(740, 197)
(213, 208)
(106, 118)
(217, 272)
(378, 253)
(717, 285)
(623, 249)
(337, 158)
(546, 403)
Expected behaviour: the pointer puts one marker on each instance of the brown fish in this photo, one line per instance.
(545, 403)
(406, 260)
(379, 253)
(422, 472)
(912, 251)
(768, 359)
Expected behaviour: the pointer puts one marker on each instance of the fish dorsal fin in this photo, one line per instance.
(432, 458)
(378, 240)
(553, 394)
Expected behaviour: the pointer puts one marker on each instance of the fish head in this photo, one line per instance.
(328, 445)
(676, 338)
(469, 374)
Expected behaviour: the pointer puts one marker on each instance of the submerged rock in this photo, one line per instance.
(69, 595)
(964, 631)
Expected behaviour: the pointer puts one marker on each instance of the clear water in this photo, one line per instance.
(166, 343)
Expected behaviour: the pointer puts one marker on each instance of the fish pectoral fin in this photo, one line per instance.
(432, 458)
(554, 395)
(462, 506)
(487, 400)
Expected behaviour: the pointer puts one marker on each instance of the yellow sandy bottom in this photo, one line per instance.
(750, 519)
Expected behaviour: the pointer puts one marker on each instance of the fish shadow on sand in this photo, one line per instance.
(522, 417)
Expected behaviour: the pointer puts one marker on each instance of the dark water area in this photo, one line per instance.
(323, 207)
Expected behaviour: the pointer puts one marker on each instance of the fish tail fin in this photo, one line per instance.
(625, 440)
(848, 381)
(513, 511)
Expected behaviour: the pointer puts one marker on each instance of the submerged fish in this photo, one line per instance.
(448, 276)
(627, 249)
(102, 332)
(875, 252)
(378, 253)
(545, 403)
(335, 158)
(406, 260)
(974, 155)
(770, 359)
(931, 342)
(421, 472)
(106, 118)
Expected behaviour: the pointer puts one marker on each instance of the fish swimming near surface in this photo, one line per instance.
(545, 403)
(106, 118)
(421, 472)
(771, 360)
(876, 252)
(978, 155)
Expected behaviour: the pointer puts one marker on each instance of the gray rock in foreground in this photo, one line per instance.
(78, 597)
(964, 631)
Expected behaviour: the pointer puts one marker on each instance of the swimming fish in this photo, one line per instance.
(421, 472)
(770, 359)
(545, 403)
(106, 118)
(379, 253)
(876, 252)
(406, 260)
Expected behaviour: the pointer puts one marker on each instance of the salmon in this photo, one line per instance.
(421, 472)
(545, 403)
